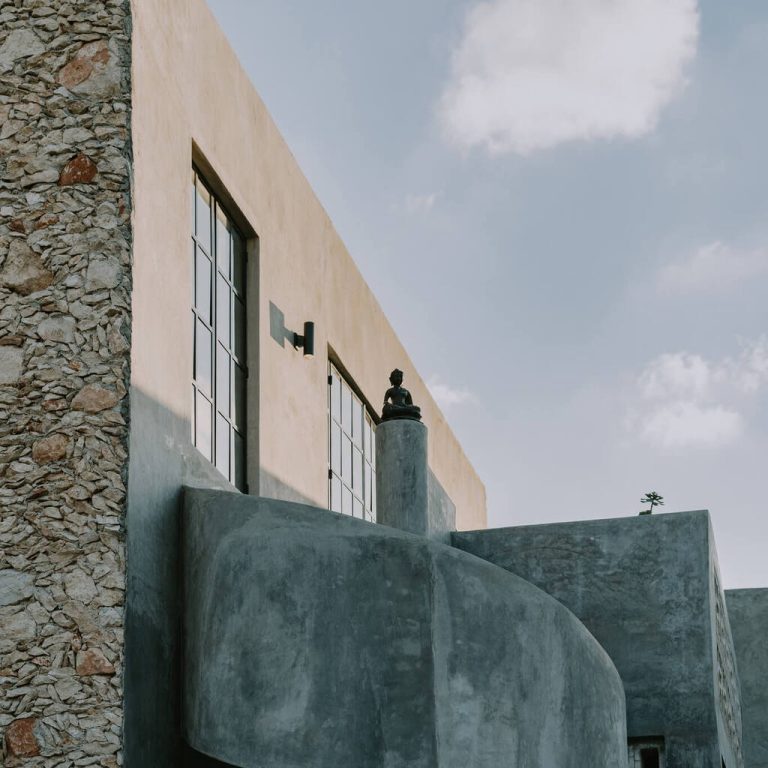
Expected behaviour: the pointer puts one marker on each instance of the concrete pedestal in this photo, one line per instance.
(402, 485)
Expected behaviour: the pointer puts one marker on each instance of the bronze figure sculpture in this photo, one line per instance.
(398, 403)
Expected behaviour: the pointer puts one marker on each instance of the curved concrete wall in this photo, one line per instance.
(314, 639)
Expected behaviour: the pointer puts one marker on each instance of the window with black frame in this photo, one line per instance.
(352, 451)
(218, 317)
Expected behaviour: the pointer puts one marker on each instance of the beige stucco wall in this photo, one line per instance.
(190, 89)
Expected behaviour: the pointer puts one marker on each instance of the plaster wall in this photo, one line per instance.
(644, 587)
(190, 89)
(315, 639)
(193, 101)
(748, 615)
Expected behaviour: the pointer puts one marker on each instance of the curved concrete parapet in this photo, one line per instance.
(315, 640)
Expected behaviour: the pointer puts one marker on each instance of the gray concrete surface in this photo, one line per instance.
(643, 586)
(408, 494)
(748, 614)
(402, 481)
(313, 639)
(161, 460)
(441, 511)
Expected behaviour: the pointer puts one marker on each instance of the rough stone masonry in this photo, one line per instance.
(65, 281)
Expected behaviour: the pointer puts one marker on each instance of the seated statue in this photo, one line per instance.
(398, 403)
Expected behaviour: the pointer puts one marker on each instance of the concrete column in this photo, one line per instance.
(402, 487)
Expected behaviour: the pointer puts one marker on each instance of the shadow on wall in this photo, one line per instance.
(277, 329)
(162, 459)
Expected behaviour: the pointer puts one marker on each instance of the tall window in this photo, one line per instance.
(352, 451)
(218, 317)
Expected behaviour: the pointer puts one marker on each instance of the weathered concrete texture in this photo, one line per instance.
(65, 206)
(408, 494)
(644, 587)
(727, 688)
(441, 511)
(402, 486)
(748, 614)
(152, 590)
(315, 639)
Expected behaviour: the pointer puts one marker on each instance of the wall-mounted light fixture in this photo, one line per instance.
(307, 341)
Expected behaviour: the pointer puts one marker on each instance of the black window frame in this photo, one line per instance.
(344, 494)
(220, 372)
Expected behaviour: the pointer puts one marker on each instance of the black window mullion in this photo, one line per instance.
(214, 321)
(231, 421)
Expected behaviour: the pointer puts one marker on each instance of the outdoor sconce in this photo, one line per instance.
(307, 340)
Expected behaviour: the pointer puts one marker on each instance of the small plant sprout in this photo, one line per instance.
(654, 500)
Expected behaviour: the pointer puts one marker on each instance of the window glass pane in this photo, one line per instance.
(193, 298)
(346, 501)
(203, 217)
(222, 445)
(193, 201)
(335, 494)
(219, 385)
(203, 286)
(368, 476)
(335, 448)
(373, 495)
(346, 408)
(203, 361)
(222, 244)
(346, 460)
(238, 266)
(223, 385)
(238, 460)
(357, 472)
(223, 294)
(335, 396)
(239, 329)
(357, 422)
(357, 509)
(238, 415)
(203, 425)
(367, 442)
(373, 448)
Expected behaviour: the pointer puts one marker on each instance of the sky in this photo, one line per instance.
(562, 208)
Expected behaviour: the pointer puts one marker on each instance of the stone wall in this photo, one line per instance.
(64, 366)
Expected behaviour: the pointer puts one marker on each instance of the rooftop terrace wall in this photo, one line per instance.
(748, 615)
(646, 588)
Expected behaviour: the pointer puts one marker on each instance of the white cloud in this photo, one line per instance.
(750, 371)
(446, 395)
(687, 424)
(532, 74)
(678, 375)
(715, 267)
(687, 401)
(420, 203)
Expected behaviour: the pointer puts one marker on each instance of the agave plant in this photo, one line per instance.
(654, 500)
